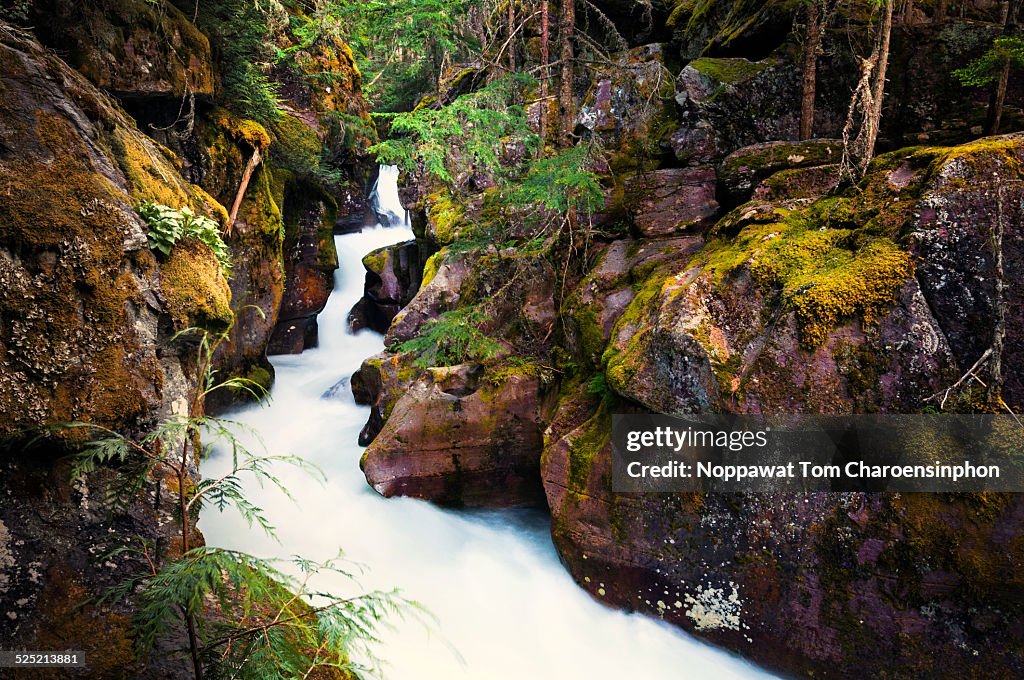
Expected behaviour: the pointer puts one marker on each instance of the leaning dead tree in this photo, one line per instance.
(860, 133)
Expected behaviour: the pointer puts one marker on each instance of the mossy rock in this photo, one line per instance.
(131, 47)
(196, 292)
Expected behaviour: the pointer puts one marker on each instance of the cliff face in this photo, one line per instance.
(730, 275)
(88, 312)
(87, 318)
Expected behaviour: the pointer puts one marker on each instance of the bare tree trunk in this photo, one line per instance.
(941, 11)
(250, 167)
(812, 46)
(908, 13)
(995, 109)
(885, 36)
(1008, 18)
(566, 26)
(545, 59)
(511, 33)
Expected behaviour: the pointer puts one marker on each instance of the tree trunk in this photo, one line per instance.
(885, 35)
(995, 109)
(566, 26)
(254, 160)
(511, 33)
(812, 45)
(1008, 18)
(941, 11)
(545, 75)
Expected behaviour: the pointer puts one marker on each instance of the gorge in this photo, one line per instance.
(433, 248)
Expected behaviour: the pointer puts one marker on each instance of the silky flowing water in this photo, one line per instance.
(505, 607)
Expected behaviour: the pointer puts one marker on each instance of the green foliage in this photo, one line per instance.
(452, 338)
(246, 617)
(402, 45)
(985, 69)
(16, 11)
(242, 29)
(169, 225)
(599, 387)
(560, 183)
(468, 133)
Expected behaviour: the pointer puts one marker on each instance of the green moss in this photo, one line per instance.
(432, 266)
(194, 288)
(621, 362)
(298, 147)
(445, 216)
(585, 445)
(592, 338)
(728, 70)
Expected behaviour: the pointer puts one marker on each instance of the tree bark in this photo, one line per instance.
(250, 167)
(885, 36)
(812, 45)
(511, 33)
(941, 11)
(545, 75)
(567, 25)
(1008, 18)
(995, 110)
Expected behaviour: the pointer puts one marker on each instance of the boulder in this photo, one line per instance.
(393, 276)
(88, 315)
(671, 201)
(744, 169)
(461, 437)
(814, 308)
(310, 262)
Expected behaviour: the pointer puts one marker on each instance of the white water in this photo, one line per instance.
(506, 607)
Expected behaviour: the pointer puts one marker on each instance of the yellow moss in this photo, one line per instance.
(432, 265)
(194, 288)
(213, 208)
(241, 129)
(148, 179)
(826, 274)
(446, 217)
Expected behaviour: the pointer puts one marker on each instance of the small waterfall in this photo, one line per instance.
(385, 201)
(506, 607)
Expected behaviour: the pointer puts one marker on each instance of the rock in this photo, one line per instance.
(718, 28)
(393, 276)
(601, 297)
(744, 169)
(798, 183)
(955, 224)
(460, 437)
(628, 108)
(309, 267)
(379, 383)
(82, 298)
(696, 145)
(130, 48)
(443, 276)
(726, 329)
(672, 201)
(87, 316)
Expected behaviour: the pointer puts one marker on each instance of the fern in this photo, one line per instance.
(168, 225)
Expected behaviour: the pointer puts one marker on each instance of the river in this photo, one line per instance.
(505, 607)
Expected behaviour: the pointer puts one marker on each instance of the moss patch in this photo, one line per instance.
(194, 288)
(728, 70)
(584, 446)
